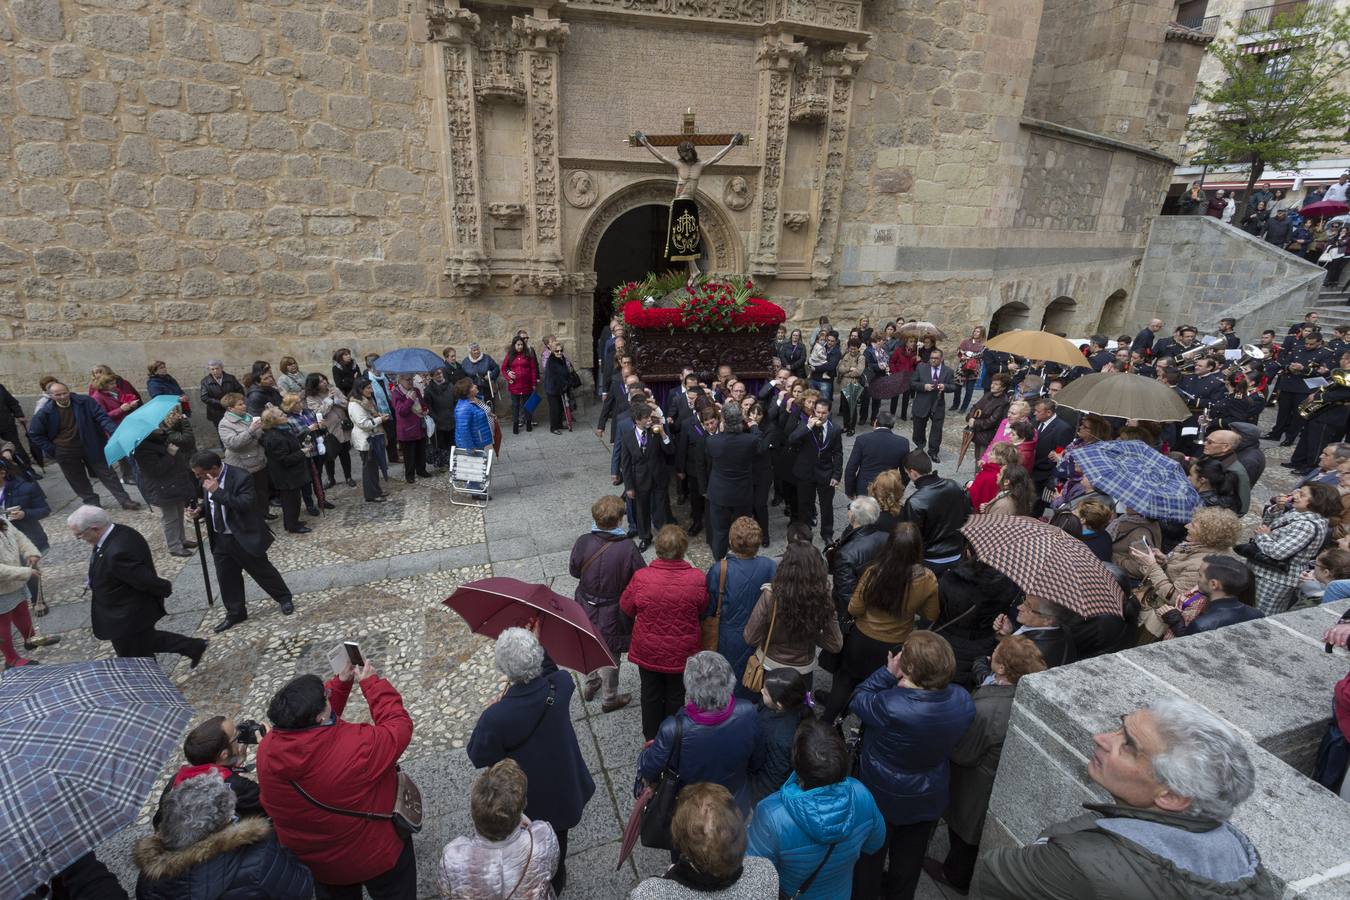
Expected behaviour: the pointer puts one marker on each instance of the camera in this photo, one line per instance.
(248, 731)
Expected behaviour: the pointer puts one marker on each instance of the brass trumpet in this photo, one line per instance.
(1316, 401)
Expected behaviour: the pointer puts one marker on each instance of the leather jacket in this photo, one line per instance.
(938, 507)
(854, 552)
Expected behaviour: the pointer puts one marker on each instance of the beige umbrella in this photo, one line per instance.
(1037, 345)
(1124, 396)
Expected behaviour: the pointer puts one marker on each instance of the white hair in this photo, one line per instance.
(708, 681)
(214, 362)
(864, 510)
(86, 517)
(519, 656)
(196, 809)
(1204, 758)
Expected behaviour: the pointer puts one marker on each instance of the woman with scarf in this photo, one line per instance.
(988, 413)
(970, 354)
(291, 380)
(329, 406)
(409, 408)
(308, 430)
(239, 433)
(368, 439)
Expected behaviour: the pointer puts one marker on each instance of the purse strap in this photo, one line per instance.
(721, 585)
(389, 816)
(524, 870)
(811, 879)
(773, 617)
(548, 704)
(595, 555)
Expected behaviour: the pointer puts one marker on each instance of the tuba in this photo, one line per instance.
(1317, 400)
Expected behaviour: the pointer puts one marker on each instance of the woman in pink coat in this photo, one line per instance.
(522, 374)
(411, 430)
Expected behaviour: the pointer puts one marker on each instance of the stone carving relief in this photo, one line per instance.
(777, 57)
(446, 24)
(498, 74)
(810, 99)
(579, 190)
(795, 221)
(841, 65)
(736, 195)
(542, 132)
(727, 10)
(506, 212)
(831, 13)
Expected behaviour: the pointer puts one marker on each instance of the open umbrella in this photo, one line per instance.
(80, 747)
(1323, 208)
(1037, 345)
(1045, 561)
(408, 361)
(492, 605)
(137, 425)
(1124, 396)
(922, 330)
(1133, 473)
(889, 386)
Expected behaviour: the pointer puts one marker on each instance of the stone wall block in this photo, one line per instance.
(172, 125)
(40, 159)
(238, 45)
(115, 33)
(39, 18)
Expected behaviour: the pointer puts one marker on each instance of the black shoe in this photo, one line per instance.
(327, 505)
(181, 554)
(515, 428)
(274, 503)
(132, 506)
(555, 431)
(529, 426)
(330, 483)
(774, 501)
(644, 544)
(1301, 472)
(1287, 442)
(303, 529)
(424, 474)
(287, 607)
(695, 529)
(227, 624)
(1270, 436)
(1290, 465)
(765, 541)
(271, 517)
(351, 482)
(312, 510)
(935, 458)
(194, 658)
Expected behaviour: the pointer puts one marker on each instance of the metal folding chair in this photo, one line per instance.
(471, 476)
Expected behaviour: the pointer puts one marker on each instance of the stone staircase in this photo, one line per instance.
(1333, 307)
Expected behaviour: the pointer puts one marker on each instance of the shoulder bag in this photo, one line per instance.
(654, 820)
(406, 816)
(810, 879)
(711, 625)
(753, 679)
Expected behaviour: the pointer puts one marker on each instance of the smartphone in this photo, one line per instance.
(354, 653)
(1143, 539)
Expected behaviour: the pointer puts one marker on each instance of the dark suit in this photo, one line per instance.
(820, 460)
(872, 454)
(931, 405)
(732, 459)
(128, 598)
(1049, 436)
(241, 545)
(645, 472)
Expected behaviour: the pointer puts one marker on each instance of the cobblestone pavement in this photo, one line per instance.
(378, 573)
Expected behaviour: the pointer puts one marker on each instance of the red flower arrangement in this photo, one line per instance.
(712, 306)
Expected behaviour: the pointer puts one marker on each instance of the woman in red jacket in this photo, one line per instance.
(666, 602)
(342, 765)
(905, 358)
(522, 374)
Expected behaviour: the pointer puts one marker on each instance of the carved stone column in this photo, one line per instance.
(541, 39)
(777, 56)
(466, 259)
(841, 66)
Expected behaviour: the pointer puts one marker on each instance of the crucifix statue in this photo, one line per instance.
(684, 242)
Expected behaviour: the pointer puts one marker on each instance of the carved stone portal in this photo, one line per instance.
(720, 241)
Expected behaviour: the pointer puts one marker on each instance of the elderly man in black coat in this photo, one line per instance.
(531, 724)
(873, 453)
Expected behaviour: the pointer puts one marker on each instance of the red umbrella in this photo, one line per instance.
(492, 605)
(633, 829)
(1323, 208)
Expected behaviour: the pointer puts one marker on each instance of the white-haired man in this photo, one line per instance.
(1176, 772)
(128, 595)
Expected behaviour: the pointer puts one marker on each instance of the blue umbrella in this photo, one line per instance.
(137, 425)
(408, 361)
(80, 747)
(1143, 479)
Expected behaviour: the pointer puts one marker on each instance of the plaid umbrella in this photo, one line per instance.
(80, 747)
(1143, 479)
(1045, 561)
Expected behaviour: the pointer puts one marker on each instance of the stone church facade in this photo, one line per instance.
(200, 178)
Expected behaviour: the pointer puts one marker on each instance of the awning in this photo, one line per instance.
(1228, 181)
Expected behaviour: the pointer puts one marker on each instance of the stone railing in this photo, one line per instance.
(1197, 269)
(1270, 678)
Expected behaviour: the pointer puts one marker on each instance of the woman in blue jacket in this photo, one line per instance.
(912, 717)
(818, 824)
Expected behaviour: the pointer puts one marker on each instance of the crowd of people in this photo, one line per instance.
(784, 783)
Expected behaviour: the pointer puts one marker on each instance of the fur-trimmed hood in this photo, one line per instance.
(158, 862)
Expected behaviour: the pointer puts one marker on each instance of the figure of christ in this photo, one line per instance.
(684, 242)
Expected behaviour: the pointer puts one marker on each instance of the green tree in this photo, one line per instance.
(1278, 107)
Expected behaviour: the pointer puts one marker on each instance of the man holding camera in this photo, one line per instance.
(219, 745)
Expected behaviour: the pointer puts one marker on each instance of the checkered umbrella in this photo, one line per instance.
(1046, 562)
(1143, 479)
(80, 747)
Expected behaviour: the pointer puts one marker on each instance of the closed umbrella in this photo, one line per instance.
(492, 605)
(1037, 345)
(1133, 473)
(80, 747)
(1045, 561)
(137, 425)
(408, 361)
(1124, 396)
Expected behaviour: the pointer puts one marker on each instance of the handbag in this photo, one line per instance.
(40, 607)
(654, 820)
(573, 379)
(810, 879)
(406, 816)
(429, 424)
(1254, 553)
(710, 625)
(532, 402)
(753, 679)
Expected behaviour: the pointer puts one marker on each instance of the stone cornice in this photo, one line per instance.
(1078, 136)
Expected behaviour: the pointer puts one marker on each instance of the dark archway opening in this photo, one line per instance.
(1009, 317)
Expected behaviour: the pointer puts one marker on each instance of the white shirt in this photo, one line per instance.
(211, 502)
(1337, 193)
(103, 537)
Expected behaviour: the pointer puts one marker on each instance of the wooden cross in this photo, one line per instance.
(688, 132)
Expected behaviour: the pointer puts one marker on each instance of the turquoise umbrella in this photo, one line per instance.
(137, 425)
